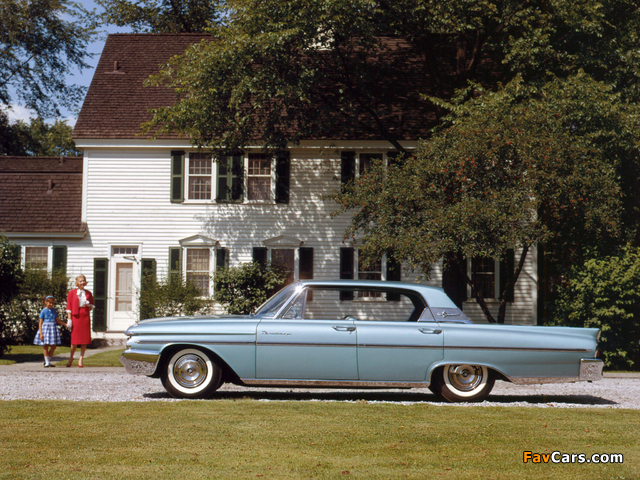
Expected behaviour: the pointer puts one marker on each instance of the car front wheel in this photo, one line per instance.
(191, 373)
(462, 383)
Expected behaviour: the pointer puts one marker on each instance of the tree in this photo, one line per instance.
(243, 288)
(508, 170)
(37, 138)
(162, 16)
(335, 67)
(604, 293)
(278, 71)
(41, 42)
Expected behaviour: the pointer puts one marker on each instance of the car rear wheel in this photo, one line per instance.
(191, 373)
(462, 383)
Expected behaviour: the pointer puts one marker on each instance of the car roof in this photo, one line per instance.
(434, 296)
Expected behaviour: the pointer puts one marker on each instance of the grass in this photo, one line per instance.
(33, 353)
(289, 440)
(27, 353)
(108, 358)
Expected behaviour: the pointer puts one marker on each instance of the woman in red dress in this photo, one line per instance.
(79, 306)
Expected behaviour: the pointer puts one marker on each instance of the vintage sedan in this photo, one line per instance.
(357, 334)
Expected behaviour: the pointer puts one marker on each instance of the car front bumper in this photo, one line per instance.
(139, 362)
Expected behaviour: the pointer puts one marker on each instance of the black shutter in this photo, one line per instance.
(177, 176)
(507, 264)
(394, 274)
(237, 178)
(283, 173)
(453, 282)
(306, 268)
(260, 256)
(60, 259)
(175, 263)
(100, 277)
(348, 168)
(346, 270)
(16, 250)
(222, 258)
(148, 278)
(306, 263)
(148, 267)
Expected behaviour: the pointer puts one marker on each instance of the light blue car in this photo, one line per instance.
(355, 334)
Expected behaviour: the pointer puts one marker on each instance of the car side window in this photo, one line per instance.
(330, 304)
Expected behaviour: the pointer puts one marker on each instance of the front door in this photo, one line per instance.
(124, 277)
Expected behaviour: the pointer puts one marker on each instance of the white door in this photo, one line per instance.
(122, 292)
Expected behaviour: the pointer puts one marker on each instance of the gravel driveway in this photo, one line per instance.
(114, 385)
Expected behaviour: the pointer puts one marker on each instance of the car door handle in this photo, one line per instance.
(344, 329)
(430, 330)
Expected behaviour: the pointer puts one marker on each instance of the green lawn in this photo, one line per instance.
(281, 440)
(33, 353)
(109, 358)
(27, 353)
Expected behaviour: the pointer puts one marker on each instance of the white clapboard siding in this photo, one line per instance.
(128, 204)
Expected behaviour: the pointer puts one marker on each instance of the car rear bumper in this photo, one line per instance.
(139, 363)
(591, 369)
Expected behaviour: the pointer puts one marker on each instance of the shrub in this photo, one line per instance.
(605, 293)
(242, 289)
(10, 277)
(170, 297)
(23, 311)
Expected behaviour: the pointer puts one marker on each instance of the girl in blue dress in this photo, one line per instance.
(48, 335)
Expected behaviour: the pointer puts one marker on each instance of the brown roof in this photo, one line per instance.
(117, 103)
(41, 195)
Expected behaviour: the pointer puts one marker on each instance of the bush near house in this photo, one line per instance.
(243, 288)
(10, 276)
(170, 297)
(605, 293)
(21, 314)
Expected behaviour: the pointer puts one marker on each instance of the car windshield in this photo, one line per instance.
(272, 306)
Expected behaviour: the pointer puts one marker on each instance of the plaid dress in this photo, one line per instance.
(49, 328)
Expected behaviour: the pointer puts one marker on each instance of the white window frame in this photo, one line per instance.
(23, 255)
(496, 266)
(383, 277)
(212, 259)
(358, 154)
(296, 259)
(203, 243)
(187, 176)
(245, 181)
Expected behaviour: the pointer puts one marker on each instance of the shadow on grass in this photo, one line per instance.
(394, 397)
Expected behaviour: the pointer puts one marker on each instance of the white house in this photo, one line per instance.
(161, 204)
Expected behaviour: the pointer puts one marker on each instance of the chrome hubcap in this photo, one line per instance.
(465, 378)
(190, 371)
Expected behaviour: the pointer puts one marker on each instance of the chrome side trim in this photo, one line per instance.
(422, 347)
(591, 369)
(137, 363)
(258, 382)
(446, 347)
(293, 344)
(537, 380)
(516, 349)
(195, 342)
